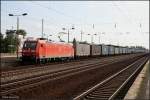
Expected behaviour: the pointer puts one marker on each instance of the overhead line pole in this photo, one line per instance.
(81, 35)
(42, 28)
(93, 34)
(68, 35)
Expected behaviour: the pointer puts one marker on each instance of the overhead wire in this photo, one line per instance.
(58, 12)
(127, 16)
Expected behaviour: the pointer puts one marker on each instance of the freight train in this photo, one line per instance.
(41, 50)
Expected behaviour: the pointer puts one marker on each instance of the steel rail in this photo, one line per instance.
(41, 67)
(45, 70)
(119, 89)
(37, 78)
(81, 96)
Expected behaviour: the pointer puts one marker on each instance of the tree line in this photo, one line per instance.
(10, 42)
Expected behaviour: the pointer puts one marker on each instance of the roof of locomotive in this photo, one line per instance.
(54, 42)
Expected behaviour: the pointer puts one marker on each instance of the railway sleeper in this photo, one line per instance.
(106, 92)
(101, 94)
(106, 88)
(95, 98)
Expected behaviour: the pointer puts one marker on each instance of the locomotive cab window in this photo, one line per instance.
(30, 45)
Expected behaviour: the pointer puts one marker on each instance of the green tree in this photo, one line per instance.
(21, 32)
(2, 49)
(10, 41)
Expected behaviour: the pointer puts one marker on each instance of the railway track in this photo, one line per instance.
(17, 85)
(19, 65)
(112, 87)
(45, 66)
(26, 65)
(20, 74)
(40, 67)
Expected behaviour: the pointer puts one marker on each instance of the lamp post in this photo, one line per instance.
(92, 37)
(68, 31)
(24, 14)
(82, 35)
(100, 34)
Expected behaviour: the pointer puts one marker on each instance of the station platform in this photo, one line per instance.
(8, 55)
(8, 60)
(140, 88)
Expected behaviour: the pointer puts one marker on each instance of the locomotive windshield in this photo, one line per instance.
(30, 44)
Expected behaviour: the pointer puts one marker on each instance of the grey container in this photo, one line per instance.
(116, 50)
(120, 50)
(129, 50)
(125, 50)
(111, 50)
(104, 49)
(82, 49)
(132, 50)
(95, 50)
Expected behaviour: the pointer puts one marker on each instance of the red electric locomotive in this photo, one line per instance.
(43, 50)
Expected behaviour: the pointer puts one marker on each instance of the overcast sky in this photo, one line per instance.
(124, 23)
